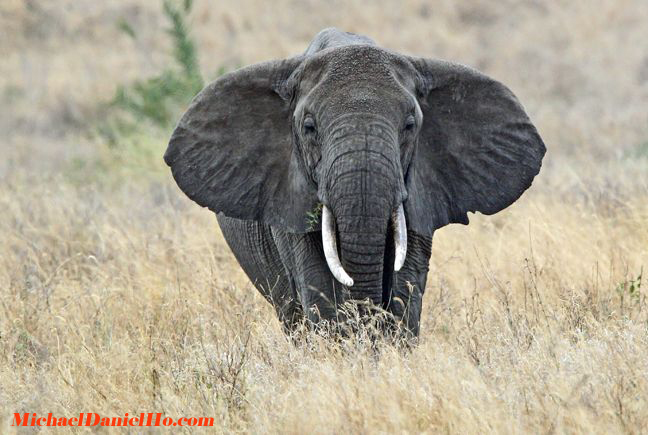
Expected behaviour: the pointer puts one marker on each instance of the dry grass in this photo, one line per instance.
(117, 294)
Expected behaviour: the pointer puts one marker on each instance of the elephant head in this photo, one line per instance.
(382, 143)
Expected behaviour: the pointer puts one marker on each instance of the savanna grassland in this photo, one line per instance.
(118, 294)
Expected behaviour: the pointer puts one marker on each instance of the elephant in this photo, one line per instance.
(330, 171)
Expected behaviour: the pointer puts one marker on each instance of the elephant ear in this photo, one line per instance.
(477, 149)
(232, 150)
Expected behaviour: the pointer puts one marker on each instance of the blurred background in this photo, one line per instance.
(118, 294)
(580, 68)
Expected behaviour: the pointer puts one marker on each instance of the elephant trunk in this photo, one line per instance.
(362, 248)
(363, 226)
(329, 241)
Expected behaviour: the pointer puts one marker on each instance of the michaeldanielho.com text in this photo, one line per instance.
(94, 419)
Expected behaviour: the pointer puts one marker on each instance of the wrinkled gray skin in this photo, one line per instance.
(361, 130)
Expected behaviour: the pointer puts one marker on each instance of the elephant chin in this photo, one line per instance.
(329, 241)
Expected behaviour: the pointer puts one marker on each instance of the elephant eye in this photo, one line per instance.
(309, 125)
(410, 123)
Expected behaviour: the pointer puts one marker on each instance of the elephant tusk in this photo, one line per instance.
(400, 237)
(330, 248)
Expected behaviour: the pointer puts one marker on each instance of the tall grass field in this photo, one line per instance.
(118, 294)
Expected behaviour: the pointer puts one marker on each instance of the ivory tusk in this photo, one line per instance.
(400, 237)
(330, 248)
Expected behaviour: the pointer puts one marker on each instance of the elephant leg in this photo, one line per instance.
(320, 294)
(254, 248)
(409, 284)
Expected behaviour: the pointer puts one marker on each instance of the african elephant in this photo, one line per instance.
(330, 171)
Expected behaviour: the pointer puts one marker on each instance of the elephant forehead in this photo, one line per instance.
(356, 59)
(366, 97)
(358, 78)
(355, 63)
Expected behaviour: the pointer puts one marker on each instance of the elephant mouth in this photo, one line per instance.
(329, 241)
